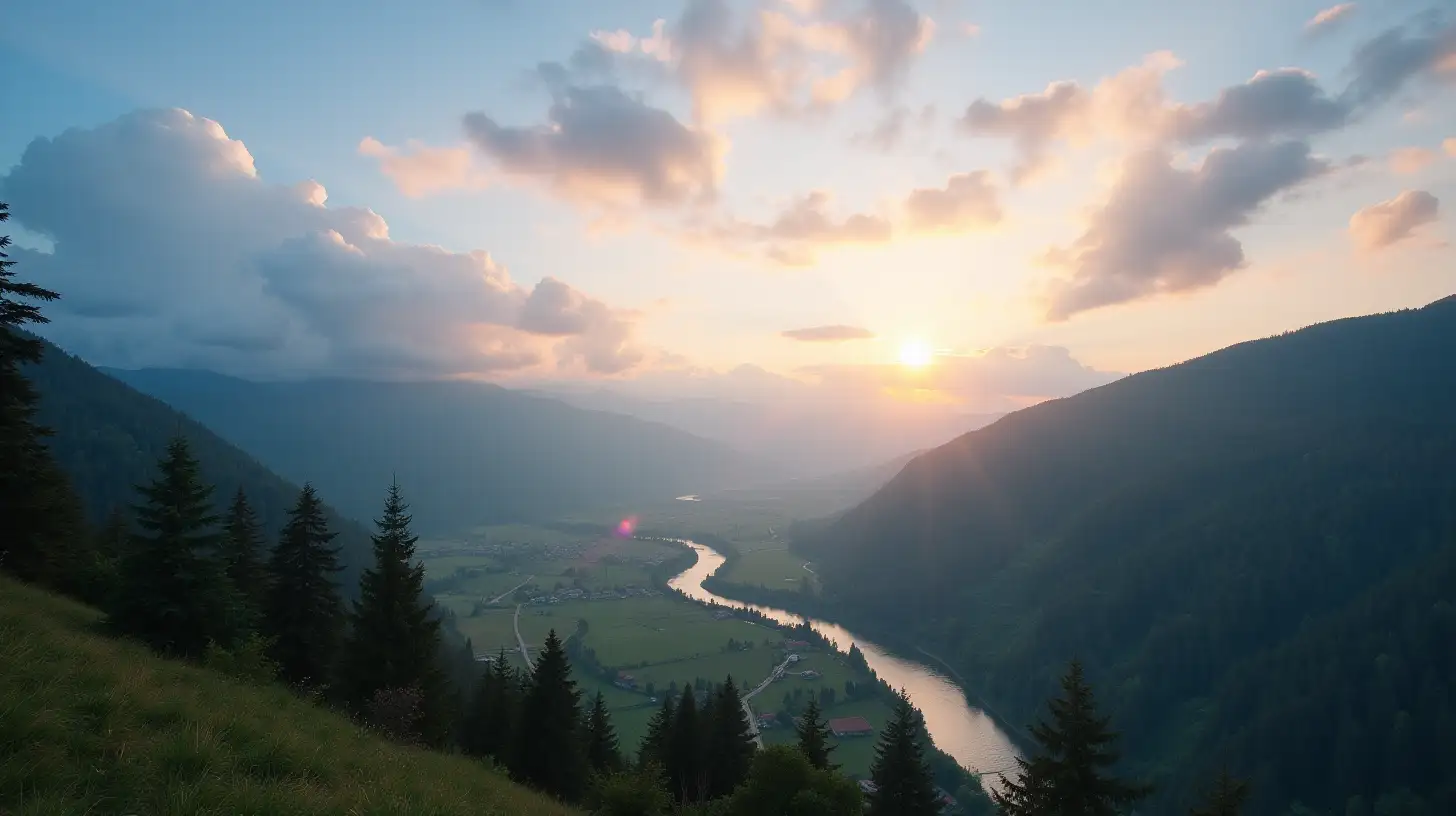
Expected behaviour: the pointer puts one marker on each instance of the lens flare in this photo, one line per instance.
(626, 527)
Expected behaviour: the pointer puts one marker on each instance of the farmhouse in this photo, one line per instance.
(851, 727)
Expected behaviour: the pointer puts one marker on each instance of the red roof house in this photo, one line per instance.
(851, 727)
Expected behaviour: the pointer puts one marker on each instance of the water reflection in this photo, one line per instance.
(964, 732)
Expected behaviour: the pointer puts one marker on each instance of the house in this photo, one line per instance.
(851, 727)
(767, 720)
(867, 787)
(809, 675)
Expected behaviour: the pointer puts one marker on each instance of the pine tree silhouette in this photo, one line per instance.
(305, 616)
(549, 752)
(904, 786)
(814, 737)
(244, 562)
(601, 738)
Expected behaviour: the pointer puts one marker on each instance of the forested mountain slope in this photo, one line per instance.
(1254, 552)
(108, 438)
(471, 453)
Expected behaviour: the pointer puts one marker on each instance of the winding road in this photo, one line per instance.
(748, 709)
(501, 597)
(525, 655)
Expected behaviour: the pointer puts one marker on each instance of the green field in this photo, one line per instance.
(775, 568)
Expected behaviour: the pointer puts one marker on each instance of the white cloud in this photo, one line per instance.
(419, 170)
(1389, 222)
(170, 250)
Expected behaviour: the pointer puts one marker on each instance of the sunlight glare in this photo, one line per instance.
(916, 353)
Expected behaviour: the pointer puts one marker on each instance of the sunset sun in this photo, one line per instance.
(916, 354)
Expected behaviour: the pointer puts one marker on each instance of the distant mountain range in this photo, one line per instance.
(467, 453)
(804, 440)
(1254, 552)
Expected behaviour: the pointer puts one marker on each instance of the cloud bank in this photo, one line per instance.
(171, 250)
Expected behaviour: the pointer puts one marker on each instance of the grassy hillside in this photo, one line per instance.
(1238, 547)
(98, 726)
(470, 453)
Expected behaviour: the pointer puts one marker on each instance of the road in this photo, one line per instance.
(748, 709)
(501, 597)
(806, 568)
(525, 655)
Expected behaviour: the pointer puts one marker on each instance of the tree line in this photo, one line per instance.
(197, 584)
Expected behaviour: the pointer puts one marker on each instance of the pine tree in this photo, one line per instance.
(601, 739)
(39, 510)
(170, 593)
(730, 741)
(490, 720)
(814, 737)
(1226, 798)
(659, 730)
(1066, 774)
(904, 785)
(685, 772)
(394, 642)
(243, 562)
(549, 754)
(304, 615)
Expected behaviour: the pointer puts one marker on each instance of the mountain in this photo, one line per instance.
(1254, 552)
(108, 438)
(806, 438)
(99, 725)
(469, 453)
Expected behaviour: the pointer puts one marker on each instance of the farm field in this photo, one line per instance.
(775, 568)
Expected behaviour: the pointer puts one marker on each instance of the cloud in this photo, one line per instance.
(796, 233)
(419, 170)
(1449, 145)
(1383, 65)
(1167, 229)
(170, 250)
(890, 130)
(828, 334)
(1408, 160)
(1128, 104)
(1328, 18)
(883, 39)
(1389, 222)
(1288, 102)
(968, 200)
(603, 146)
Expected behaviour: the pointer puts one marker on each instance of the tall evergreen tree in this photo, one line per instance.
(304, 616)
(38, 508)
(1067, 774)
(814, 737)
(171, 593)
(686, 776)
(394, 641)
(904, 785)
(601, 738)
(549, 754)
(730, 741)
(1226, 798)
(491, 717)
(243, 560)
(655, 744)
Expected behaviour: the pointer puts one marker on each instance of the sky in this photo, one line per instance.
(960, 202)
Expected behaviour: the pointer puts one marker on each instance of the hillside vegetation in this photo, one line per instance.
(473, 453)
(1254, 553)
(94, 725)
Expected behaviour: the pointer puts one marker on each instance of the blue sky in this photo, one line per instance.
(676, 283)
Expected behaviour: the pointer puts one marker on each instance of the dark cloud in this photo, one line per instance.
(169, 249)
(1283, 103)
(828, 334)
(1166, 229)
(602, 145)
(1389, 222)
(968, 201)
(1385, 64)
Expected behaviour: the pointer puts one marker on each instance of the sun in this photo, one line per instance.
(916, 354)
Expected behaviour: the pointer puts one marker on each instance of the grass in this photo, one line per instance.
(775, 568)
(92, 725)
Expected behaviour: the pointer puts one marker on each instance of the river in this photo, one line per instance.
(966, 733)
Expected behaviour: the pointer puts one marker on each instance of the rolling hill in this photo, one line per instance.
(470, 453)
(1254, 552)
(95, 725)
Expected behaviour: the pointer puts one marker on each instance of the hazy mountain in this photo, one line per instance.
(108, 437)
(807, 440)
(1254, 552)
(470, 453)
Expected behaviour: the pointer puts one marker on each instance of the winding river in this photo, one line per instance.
(966, 733)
